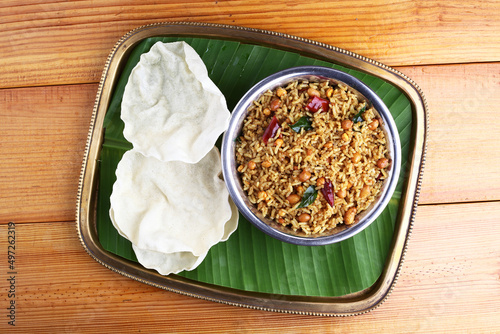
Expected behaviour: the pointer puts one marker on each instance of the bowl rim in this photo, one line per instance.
(232, 179)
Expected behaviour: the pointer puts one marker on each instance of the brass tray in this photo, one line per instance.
(351, 304)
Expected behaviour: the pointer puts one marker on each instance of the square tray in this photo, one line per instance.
(349, 304)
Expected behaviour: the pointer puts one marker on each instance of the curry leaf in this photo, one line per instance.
(303, 123)
(309, 197)
(359, 116)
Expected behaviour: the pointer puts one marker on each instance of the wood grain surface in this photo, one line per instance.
(51, 60)
(463, 156)
(438, 285)
(54, 42)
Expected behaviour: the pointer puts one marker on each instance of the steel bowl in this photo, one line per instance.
(233, 180)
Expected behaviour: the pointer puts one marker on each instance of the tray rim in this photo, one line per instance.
(351, 304)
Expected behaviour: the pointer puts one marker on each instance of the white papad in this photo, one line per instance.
(172, 206)
(171, 108)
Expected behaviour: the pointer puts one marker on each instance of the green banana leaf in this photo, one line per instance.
(250, 260)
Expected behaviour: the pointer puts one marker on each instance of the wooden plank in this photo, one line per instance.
(42, 139)
(451, 267)
(449, 283)
(463, 155)
(53, 42)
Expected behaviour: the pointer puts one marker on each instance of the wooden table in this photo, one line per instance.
(51, 57)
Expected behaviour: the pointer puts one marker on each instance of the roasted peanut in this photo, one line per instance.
(266, 164)
(304, 217)
(262, 195)
(373, 125)
(350, 215)
(304, 175)
(280, 91)
(275, 104)
(293, 199)
(278, 143)
(382, 163)
(346, 124)
(320, 182)
(252, 165)
(342, 193)
(365, 191)
(328, 144)
(313, 92)
(356, 157)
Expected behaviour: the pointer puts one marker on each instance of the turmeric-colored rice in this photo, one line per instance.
(343, 147)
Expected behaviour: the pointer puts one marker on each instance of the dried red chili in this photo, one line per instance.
(327, 192)
(271, 129)
(316, 103)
